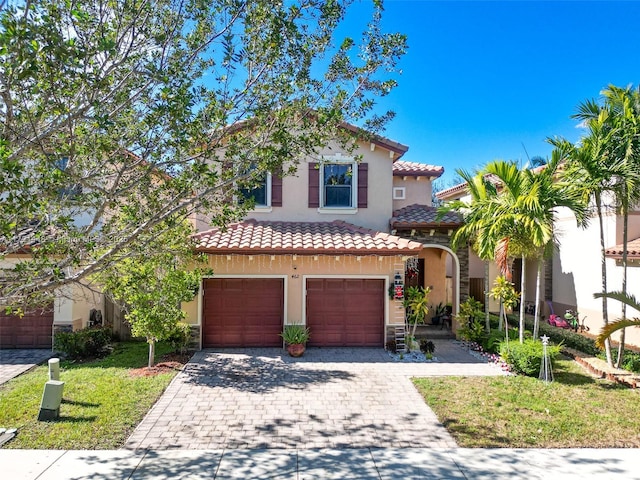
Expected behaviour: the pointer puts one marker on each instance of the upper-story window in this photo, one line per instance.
(338, 181)
(338, 184)
(265, 192)
(260, 193)
(70, 191)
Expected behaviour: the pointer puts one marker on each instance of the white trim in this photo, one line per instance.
(456, 261)
(373, 277)
(399, 193)
(201, 296)
(338, 211)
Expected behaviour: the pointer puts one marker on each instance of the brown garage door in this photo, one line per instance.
(242, 312)
(33, 330)
(345, 312)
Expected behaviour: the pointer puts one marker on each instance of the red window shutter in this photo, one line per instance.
(276, 190)
(363, 174)
(314, 185)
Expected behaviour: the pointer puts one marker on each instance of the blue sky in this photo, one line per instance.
(482, 78)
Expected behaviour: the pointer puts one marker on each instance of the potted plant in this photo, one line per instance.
(439, 311)
(295, 336)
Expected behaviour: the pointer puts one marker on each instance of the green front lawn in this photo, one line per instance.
(102, 403)
(575, 410)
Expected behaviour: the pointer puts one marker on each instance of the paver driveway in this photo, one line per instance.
(16, 362)
(330, 398)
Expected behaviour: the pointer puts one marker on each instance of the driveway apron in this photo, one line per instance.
(17, 361)
(330, 398)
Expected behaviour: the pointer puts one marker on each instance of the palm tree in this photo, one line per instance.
(525, 218)
(587, 170)
(551, 192)
(619, 118)
(477, 218)
(515, 219)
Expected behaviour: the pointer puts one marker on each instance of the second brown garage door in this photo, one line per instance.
(345, 312)
(242, 312)
(33, 330)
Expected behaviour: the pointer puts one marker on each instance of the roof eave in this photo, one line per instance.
(293, 251)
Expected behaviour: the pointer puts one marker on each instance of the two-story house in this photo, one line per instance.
(324, 248)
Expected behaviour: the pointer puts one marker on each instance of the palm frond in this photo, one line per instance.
(613, 327)
(626, 298)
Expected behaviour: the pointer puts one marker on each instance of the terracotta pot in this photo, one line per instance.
(296, 349)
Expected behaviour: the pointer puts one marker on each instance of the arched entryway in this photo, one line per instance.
(437, 267)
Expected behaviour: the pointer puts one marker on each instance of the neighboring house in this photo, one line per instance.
(573, 274)
(318, 250)
(70, 310)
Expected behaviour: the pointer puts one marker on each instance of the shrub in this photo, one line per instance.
(180, 337)
(491, 343)
(568, 338)
(391, 346)
(630, 362)
(473, 331)
(88, 342)
(427, 346)
(526, 358)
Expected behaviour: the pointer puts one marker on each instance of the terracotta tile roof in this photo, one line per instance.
(633, 250)
(460, 190)
(306, 238)
(415, 216)
(414, 169)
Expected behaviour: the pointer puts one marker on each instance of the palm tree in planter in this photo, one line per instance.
(295, 336)
(416, 304)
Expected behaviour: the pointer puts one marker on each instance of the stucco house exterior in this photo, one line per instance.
(573, 274)
(70, 310)
(322, 248)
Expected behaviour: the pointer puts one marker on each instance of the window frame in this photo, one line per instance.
(338, 159)
(399, 193)
(262, 207)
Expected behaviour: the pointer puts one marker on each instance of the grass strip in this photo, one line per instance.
(576, 410)
(102, 403)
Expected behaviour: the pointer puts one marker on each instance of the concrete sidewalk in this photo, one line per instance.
(361, 464)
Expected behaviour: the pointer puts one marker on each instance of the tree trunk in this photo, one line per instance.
(523, 294)
(536, 313)
(603, 265)
(152, 352)
(486, 297)
(625, 240)
(501, 317)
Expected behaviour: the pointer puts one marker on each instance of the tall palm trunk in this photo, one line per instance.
(603, 264)
(536, 313)
(625, 239)
(523, 294)
(486, 296)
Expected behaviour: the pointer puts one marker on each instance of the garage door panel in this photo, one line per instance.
(33, 330)
(243, 312)
(345, 312)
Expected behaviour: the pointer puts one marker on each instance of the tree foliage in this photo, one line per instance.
(152, 110)
(150, 288)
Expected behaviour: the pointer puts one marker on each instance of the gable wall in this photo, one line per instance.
(417, 191)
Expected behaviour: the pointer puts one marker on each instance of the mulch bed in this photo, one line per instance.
(169, 362)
